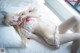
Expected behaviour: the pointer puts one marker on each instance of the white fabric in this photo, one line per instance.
(9, 37)
(16, 6)
(33, 47)
(57, 38)
(29, 26)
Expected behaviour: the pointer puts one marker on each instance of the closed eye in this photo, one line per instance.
(13, 20)
(23, 14)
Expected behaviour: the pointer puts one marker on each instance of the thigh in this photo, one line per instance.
(66, 25)
(75, 43)
(64, 38)
(75, 46)
(75, 28)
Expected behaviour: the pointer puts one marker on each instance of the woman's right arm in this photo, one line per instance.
(37, 38)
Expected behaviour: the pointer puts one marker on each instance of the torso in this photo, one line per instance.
(29, 26)
(39, 26)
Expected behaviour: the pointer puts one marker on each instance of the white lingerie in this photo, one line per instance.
(31, 24)
(57, 38)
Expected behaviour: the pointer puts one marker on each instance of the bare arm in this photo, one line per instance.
(37, 38)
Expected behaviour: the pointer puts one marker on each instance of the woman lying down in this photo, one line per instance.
(29, 26)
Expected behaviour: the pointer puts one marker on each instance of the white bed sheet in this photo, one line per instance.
(35, 47)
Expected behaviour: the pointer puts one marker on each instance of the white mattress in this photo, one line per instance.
(35, 47)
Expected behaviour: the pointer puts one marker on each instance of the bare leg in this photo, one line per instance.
(75, 44)
(71, 23)
(49, 38)
(67, 24)
(64, 38)
(39, 39)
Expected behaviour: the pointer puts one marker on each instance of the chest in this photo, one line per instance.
(39, 25)
(30, 25)
(45, 26)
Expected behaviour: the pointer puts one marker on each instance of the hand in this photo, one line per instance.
(29, 37)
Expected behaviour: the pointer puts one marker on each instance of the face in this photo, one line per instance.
(12, 19)
(16, 19)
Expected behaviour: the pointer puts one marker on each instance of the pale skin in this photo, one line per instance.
(64, 38)
(75, 44)
(75, 28)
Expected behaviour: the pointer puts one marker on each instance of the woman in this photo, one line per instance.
(28, 23)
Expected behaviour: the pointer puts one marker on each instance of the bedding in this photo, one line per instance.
(33, 46)
(16, 6)
(9, 37)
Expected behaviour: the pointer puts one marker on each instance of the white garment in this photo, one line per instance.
(29, 26)
(57, 38)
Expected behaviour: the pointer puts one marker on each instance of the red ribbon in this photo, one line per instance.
(27, 18)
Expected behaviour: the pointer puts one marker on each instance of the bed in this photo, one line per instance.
(32, 45)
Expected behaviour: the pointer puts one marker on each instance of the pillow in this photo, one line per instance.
(16, 5)
(9, 37)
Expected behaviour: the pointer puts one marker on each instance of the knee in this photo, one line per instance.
(77, 18)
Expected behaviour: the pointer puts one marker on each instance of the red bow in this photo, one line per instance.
(27, 18)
